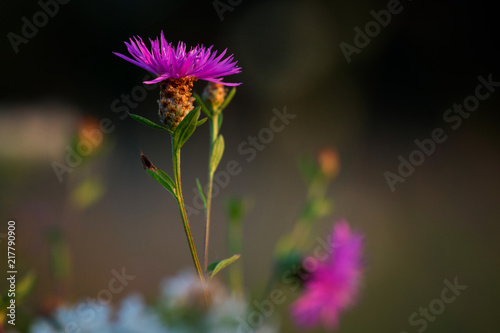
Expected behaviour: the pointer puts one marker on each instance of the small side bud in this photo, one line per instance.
(215, 94)
(329, 162)
(146, 163)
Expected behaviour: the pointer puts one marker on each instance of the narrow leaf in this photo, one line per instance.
(159, 175)
(228, 99)
(215, 267)
(217, 152)
(201, 122)
(317, 208)
(25, 285)
(147, 122)
(186, 128)
(200, 190)
(200, 102)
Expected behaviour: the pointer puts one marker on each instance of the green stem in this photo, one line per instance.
(180, 200)
(235, 236)
(214, 132)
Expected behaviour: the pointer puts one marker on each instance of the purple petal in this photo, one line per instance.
(333, 286)
(167, 61)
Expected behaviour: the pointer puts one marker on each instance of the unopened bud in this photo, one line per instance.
(89, 133)
(146, 163)
(214, 93)
(329, 162)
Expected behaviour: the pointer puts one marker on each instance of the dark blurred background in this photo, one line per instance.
(439, 224)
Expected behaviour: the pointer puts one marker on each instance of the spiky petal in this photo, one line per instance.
(170, 62)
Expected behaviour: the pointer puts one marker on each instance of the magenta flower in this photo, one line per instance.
(333, 286)
(168, 62)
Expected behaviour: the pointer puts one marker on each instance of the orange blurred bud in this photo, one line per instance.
(89, 132)
(329, 162)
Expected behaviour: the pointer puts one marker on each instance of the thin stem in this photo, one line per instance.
(214, 132)
(180, 200)
(235, 235)
(317, 190)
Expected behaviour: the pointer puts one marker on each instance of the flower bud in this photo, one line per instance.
(214, 93)
(329, 162)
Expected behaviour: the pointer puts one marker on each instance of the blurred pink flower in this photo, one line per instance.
(333, 286)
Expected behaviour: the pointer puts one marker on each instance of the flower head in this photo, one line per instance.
(177, 70)
(333, 286)
(168, 62)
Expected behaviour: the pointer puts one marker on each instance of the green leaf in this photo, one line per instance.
(25, 285)
(4, 302)
(147, 122)
(59, 255)
(215, 267)
(186, 128)
(217, 152)
(317, 208)
(161, 177)
(228, 99)
(201, 122)
(200, 190)
(204, 108)
(88, 192)
(308, 168)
